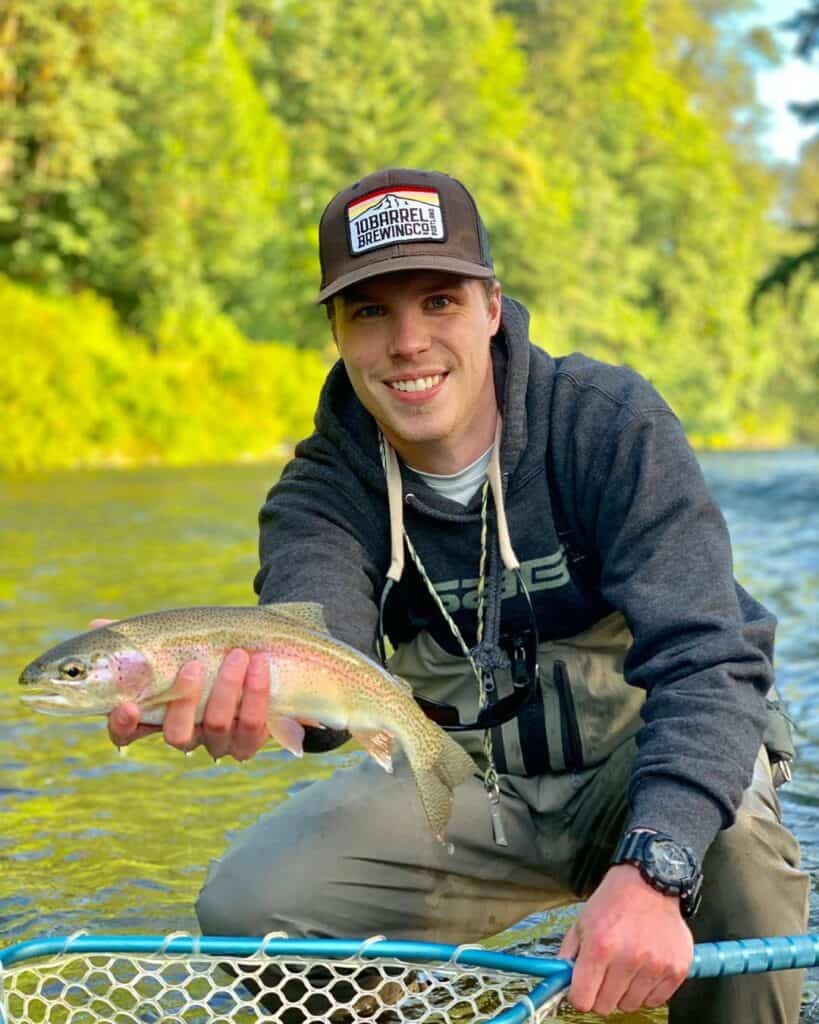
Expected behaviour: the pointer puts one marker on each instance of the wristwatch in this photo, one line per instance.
(669, 867)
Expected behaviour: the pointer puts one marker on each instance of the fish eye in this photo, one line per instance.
(70, 668)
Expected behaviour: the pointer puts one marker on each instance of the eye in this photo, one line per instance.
(438, 301)
(72, 669)
(367, 312)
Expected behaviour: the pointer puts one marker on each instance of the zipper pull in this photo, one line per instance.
(498, 831)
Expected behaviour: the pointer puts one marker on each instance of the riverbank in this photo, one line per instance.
(80, 390)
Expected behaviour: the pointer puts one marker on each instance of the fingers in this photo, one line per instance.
(637, 982)
(96, 623)
(647, 991)
(235, 721)
(251, 731)
(570, 945)
(223, 703)
(588, 978)
(124, 726)
(604, 980)
(179, 727)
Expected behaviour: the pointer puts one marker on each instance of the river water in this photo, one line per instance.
(91, 840)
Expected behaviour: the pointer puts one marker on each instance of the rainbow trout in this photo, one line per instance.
(314, 679)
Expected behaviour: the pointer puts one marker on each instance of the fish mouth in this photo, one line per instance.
(47, 703)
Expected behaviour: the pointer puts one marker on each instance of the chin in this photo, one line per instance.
(420, 434)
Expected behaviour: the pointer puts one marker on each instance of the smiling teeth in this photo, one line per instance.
(419, 384)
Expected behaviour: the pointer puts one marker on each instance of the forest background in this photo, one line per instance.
(164, 163)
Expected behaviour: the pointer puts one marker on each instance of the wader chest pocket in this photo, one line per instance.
(569, 730)
(589, 708)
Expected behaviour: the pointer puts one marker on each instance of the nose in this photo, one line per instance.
(410, 334)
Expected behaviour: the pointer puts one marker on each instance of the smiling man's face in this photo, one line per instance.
(416, 348)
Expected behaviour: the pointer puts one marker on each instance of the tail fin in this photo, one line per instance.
(436, 782)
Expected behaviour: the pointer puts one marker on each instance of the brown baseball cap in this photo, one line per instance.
(399, 219)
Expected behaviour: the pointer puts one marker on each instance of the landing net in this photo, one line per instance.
(205, 981)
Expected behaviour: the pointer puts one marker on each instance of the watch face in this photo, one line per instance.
(671, 862)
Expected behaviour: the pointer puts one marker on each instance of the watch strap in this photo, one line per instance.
(633, 849)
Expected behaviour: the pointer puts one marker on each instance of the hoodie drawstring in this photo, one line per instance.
(486, 655)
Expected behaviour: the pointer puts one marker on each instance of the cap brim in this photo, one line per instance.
(394, 264)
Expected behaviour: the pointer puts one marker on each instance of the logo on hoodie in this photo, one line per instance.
(546, 573)
(392, 215)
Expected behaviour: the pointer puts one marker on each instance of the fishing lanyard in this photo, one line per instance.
(399, 536)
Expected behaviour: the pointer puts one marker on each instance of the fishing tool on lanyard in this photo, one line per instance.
(481, 658)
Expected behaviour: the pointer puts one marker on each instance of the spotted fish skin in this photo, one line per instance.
(314, 679)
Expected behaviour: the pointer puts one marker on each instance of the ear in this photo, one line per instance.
(494, 309)
(330, 307)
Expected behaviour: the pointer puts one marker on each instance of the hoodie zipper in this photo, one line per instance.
(569, 729)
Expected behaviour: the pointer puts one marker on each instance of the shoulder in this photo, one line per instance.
(590, 388)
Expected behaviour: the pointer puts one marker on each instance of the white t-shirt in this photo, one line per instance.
(462, 485)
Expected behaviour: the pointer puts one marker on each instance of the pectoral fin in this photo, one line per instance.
(312, 722)
(378, 745)
(287, 733)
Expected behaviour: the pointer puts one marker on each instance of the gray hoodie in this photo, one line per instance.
(597, 448)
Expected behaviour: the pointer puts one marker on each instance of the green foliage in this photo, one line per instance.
(83, 390)
(790, 267)
(139, 157)
(174, 158)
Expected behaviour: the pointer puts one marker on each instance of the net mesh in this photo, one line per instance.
(193, 989)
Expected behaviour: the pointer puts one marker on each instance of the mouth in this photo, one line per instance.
(48, 703)
(419, 386)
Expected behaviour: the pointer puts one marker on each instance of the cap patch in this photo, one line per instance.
(389, 216)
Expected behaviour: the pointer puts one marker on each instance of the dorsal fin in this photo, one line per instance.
(309, 614)
(404, 685)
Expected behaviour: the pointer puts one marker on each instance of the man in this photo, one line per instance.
(551, 511)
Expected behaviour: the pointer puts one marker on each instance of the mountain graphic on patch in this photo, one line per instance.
(389, 216)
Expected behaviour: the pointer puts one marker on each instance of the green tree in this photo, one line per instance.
(137, 158)
(429, 84)
(802, 265)
(669, 209)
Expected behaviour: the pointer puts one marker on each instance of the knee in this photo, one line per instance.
(752, 884)
(213, 909)
(223, 907)
(238, 898)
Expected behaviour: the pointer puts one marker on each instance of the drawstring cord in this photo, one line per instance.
(485, 656)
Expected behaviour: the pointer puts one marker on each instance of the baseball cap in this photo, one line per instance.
(400, 219)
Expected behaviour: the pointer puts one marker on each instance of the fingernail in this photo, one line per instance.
(236, 657)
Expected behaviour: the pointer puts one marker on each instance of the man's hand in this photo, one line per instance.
(235, 719)
(631, 945)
